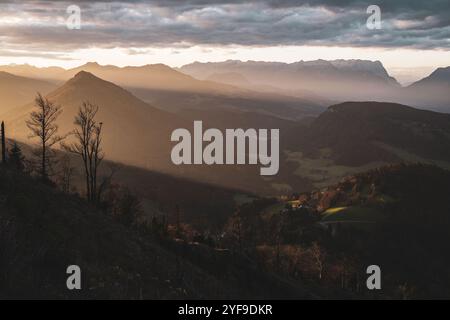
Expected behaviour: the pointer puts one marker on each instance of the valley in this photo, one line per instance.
(302, 164)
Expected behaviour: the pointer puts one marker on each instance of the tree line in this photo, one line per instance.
(85, 142)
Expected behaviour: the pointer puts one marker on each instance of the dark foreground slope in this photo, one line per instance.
(42, 231)
(396, 217)
(409, 207)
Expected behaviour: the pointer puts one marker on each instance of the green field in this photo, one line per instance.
(272, 210)
(322, 171)
(352, 214)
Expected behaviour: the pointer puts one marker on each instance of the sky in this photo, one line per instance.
(414, 38)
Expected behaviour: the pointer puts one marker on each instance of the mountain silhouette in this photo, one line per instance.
(336, 80)
(131, 127)
(432, 91)
(363, 132)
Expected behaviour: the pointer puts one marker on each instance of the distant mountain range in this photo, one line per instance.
(434, 88)
(171, 90)
(296, 89)
(337, 80)
(51, 74)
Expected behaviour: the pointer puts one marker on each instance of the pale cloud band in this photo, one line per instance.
(39, 25)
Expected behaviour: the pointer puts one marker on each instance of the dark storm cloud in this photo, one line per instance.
(40, 24)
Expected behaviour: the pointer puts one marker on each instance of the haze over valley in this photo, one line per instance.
(145, 104)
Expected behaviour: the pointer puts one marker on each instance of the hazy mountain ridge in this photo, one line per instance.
(374, 67)
(440, 76)
(329, 79)
(51, 74)
(231, 78)
(202, 70)
(136, 133)
(433, 91)
(312, 83)
(337, 80)
(130, 125)
(155, 76)
(171, 90)
(361, 132)
(16, 90)
(152, 76)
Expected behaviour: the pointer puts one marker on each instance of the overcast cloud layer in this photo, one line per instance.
(40, 25)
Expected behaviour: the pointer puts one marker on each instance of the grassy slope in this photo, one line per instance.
(354, 213)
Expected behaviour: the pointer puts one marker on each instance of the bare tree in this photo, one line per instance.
(2, 129)
(107, 180)
(237, 230)
(278, 239)
(319, 256)
(87, 145)
(66, 175)
(42, 124)
(178, 220)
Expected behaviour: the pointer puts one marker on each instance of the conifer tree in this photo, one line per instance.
(15, 157)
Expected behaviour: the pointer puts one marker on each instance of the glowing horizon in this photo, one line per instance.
(406, 65)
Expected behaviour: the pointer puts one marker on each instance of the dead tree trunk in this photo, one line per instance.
(3, 143)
